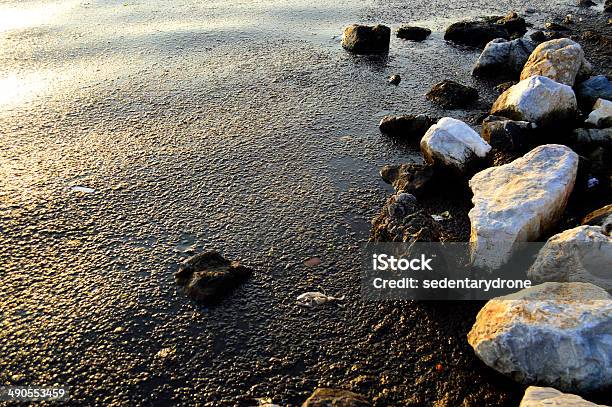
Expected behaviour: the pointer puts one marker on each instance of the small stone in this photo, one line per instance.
(596, 87)
(453, 145)
(600, 217)
(586, 3)
(407, 126)
(582, 254)
(325, 397)
(507, 135)
(403, 220)
(363, 39)
(451, 95)
(504, 86)
(475, 33)
(208, 277)
(412, 33)
(549, 397)
(555, 26)
(518, 202)
(395, 80)
(539, 100)
(501, 55)
(601, 116)
(568, 19)
(555, 334)
(410, 178)
(560, 60)
(542, 36)
(513, 23)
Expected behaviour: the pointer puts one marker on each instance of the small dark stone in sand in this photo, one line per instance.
(407, 126)
(323, 397)
(555, 26)
(363, 39)
(587, 3)
(410, 178)
(502, 87)
(475, 33)
(395, 80)
(208, 277)
(451, 95)
(412, 33)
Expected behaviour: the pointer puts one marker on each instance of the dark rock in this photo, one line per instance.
(363, 39)
(600, 217)
(452, 95)
(475, 33)
(403, 220)
(587, 3)
(507, 135)
(608, 6)
(599, 161)
(407, 126)
(407, 32)
(410, 178)
(209, 277)
(323, 397)
(513, 23)
(592, 138)
(503, 57)
(543, 36)
(552, 26)
(598, 39)
(592, 89)
(395, 80)
(502, 87)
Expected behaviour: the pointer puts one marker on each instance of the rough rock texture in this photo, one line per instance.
(452, 144)
(479, 32)
(592, 137)
(363, 39)
(559, 60)
(600, 217)
(323, 397)
(409, 127)
(403, 220)
(407, 32)
(582, 254)
(503, 56)
(549, 397)
(451, 95)
(554, 334)
(592, 89)
(410, 178)
(601, 116)
(512, 22)
(507, 135)
(539, 100)
(209, 277)
(517, 202)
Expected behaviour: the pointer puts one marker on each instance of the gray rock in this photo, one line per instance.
(596, 87)
(410, 127)
(452, 95)
(324, 397)
(549, 397)
(208, 277)
(601, 116)
(591, 138)
(363, 39)
(582, 254)
(553, 334)
(412, 33)
(507, 135)
(411, 178)
(403, 220)
(503, 56)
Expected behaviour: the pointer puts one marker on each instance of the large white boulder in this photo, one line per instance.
(553, 334)
(560, 60)
(452, 144)
(517, 202)
(581, 254)
(548, 397)
(601, 116)
(503, 55)
(537, 99)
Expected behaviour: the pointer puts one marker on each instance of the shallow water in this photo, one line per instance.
(236, 125)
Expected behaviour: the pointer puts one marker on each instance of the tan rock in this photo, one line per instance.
(549, 397)
(559, 60)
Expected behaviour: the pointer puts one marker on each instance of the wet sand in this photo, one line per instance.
(239, 126)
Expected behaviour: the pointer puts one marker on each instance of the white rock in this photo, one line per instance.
(553, 334)
(601, 116)
(560, 60)
(453, 144)
(549, 397)
(537, 99)
(517, 202)
(582, 254)
(503, 55)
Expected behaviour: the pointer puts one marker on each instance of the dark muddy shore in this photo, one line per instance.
(249, 131)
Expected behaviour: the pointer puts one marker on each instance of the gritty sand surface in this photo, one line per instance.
(240, 126)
